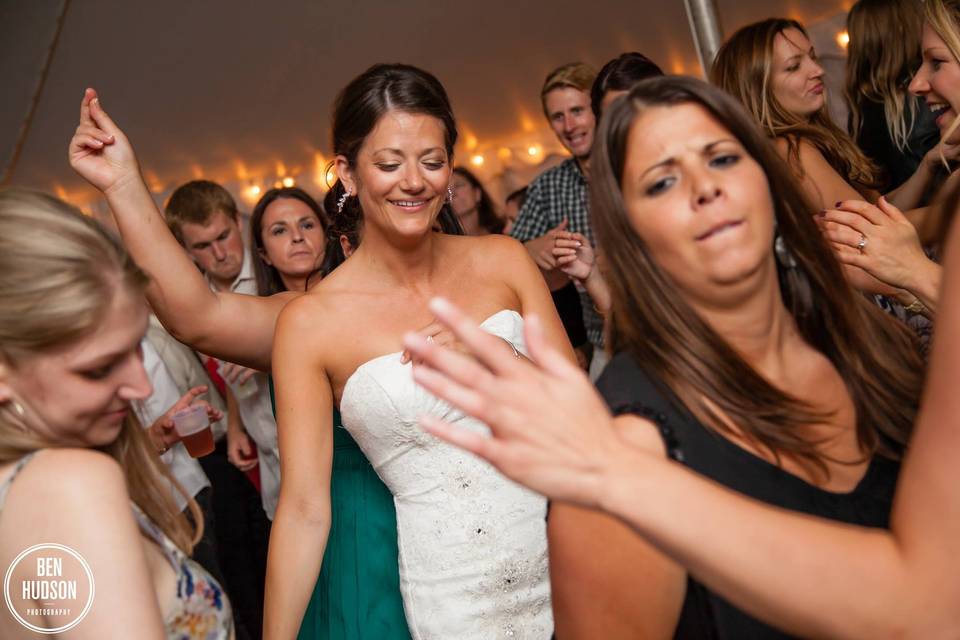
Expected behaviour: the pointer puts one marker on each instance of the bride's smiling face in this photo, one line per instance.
(401, 173)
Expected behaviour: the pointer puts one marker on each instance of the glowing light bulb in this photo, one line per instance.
(254, 190)
(288, 182)
(533, 150)
(843, 39)
(477, 160)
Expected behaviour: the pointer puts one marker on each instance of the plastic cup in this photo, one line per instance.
(193, 427)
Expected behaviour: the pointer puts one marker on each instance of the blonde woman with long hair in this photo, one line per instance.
(879, 239)
(893, 128)
(76, 468)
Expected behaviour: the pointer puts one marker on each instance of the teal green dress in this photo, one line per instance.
(357, 595)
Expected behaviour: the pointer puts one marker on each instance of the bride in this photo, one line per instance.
(473, 558)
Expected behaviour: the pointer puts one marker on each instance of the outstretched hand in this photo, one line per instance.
(551, 431)
(99, 151)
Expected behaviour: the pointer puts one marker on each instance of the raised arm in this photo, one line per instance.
(304, 422)
(231, 327)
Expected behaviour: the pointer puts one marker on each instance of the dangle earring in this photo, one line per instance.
(780, 250)
(449, 193)
(343, 200)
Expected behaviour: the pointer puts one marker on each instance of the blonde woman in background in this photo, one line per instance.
(75, 466)
(893, 128)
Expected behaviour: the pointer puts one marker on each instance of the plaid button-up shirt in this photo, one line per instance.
(558, 193)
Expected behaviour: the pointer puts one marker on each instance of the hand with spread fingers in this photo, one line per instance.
(883, 243)
(551, 431)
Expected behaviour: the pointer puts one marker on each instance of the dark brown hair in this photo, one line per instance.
(876, 356)
(486, 213)
(620, 74)
(376, 91)
(268, 278)
(196, 202)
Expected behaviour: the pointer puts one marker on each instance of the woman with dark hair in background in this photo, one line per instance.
(472, 205)
(756, 368)
(358, 588)
(288, 237)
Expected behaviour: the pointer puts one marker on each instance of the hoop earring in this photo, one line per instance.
(342, 201)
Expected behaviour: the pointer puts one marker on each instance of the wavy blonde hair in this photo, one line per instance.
(884, 51)
(744, 67)
(943, 16)
(59, 271)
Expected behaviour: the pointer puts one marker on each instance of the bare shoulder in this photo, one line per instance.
(79, 485)
(494, 253)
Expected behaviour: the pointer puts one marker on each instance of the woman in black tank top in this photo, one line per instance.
(741, 353)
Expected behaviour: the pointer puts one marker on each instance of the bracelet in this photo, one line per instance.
(916, 306)
(516, 353)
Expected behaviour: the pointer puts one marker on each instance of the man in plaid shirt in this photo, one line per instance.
(557, 198)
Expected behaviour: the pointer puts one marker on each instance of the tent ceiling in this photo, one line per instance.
(215, 84)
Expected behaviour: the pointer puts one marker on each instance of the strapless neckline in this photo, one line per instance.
(376, 359)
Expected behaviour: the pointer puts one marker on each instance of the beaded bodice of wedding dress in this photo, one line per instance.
(473, 549)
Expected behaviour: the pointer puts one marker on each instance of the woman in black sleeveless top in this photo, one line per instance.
(742, 354)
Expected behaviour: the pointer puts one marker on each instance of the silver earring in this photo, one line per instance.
(449, 194)
(784, 257)
(342, 201)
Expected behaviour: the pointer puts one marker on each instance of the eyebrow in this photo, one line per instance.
(400, 153)
(300, 219)
(103, 360)
(671, 160)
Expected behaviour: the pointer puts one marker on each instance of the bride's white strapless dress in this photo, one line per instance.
(472, 544)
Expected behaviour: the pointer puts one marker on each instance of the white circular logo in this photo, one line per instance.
(49, 588)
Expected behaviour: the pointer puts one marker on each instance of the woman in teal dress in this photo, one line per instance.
(357, 594)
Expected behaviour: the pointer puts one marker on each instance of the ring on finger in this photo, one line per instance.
(862, 244)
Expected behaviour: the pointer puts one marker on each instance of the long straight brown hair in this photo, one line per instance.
(876, 356)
